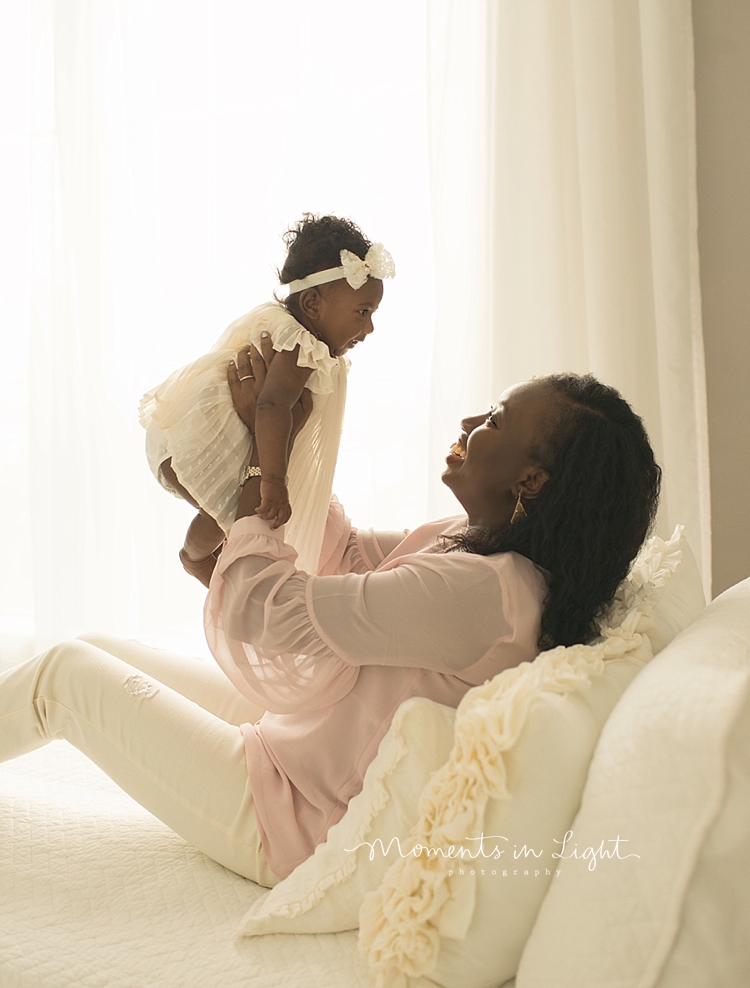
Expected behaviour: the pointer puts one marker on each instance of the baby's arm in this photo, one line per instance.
(282, 389)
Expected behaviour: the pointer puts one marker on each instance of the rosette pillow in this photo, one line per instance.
(456, 895)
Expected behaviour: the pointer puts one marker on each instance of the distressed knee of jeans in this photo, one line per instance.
(140, 686)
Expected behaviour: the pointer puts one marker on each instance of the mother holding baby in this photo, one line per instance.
(254, 761)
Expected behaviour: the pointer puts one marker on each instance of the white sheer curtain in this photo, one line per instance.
(563, 159)
(154, 151)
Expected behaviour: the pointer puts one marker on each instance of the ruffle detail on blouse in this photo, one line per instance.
(402, 922)
(246, 540)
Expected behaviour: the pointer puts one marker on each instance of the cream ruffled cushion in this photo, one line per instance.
(522, 747)
(324, 893)
(660, 598)
(671, 774)
(529, 733)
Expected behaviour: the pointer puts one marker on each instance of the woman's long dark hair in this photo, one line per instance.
(591, 517)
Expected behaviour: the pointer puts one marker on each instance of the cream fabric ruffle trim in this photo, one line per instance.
(402, 922)
(645, 585)
(191, 419)
(311, 881)
(286, 334)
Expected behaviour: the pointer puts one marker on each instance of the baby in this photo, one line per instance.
(196, 444)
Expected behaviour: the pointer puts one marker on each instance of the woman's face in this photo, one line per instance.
(491, 461)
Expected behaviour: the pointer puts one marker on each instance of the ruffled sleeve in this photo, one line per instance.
(293, 642)
(286, 334)
(257, 619)
(258, 628)
(353, 550)
(313, 353)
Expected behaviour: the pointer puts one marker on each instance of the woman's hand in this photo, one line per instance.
(246, 379)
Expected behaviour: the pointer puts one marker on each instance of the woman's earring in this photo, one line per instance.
(519, 512)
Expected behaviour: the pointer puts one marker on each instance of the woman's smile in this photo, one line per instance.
(492, 460)
(457, 453)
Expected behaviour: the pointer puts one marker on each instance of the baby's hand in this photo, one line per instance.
(274, 502)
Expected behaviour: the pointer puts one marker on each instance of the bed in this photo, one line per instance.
(96, 893)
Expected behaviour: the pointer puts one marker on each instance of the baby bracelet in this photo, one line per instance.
(247, 473)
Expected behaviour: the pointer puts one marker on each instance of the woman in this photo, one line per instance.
(559, 486)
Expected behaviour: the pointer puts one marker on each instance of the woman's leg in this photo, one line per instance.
(202, 682)
(182, 763)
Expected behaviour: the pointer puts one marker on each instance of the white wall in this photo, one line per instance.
(722, 80)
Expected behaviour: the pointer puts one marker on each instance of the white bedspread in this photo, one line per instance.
(97, 893)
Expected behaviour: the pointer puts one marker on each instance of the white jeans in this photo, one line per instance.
(164, 727)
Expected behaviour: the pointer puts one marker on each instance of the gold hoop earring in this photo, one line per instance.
(519, 512)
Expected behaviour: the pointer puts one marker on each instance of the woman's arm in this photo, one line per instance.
(353, 550)
(291, 641)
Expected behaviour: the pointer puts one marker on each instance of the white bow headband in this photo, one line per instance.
(377, 263)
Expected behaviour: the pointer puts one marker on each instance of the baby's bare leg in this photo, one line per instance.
(204, 536)
(171, 478)
(199, 552)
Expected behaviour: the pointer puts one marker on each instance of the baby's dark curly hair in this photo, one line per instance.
(591, 517)
(315, 244)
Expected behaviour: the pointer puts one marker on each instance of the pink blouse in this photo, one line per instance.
(332, 656)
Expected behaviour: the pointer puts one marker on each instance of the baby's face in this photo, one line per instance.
(345, 315)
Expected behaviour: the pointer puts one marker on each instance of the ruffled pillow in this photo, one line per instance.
(663, 592)
(513, 770)
(325, 892)
(523, 742)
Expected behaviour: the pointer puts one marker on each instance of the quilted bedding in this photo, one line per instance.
(97, 893)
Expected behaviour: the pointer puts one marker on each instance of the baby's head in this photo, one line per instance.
(334, 274)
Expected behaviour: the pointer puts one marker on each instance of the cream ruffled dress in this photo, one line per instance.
(191, 418)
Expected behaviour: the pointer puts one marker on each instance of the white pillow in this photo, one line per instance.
(515, 775)
(671, 774)
(324, 893)
(712, 946)
(662, 594)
